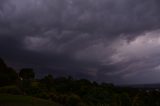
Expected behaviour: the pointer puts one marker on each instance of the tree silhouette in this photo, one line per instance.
(7, 75)
(47, 82)
(27, 74)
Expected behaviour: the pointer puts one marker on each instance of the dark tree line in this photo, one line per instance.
(71, 92)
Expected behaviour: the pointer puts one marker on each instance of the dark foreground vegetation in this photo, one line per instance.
(67, 91)
(19, 100)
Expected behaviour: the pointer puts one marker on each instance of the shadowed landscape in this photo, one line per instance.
(22, 88)
(80, 52)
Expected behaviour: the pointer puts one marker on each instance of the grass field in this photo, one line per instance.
(14, 100)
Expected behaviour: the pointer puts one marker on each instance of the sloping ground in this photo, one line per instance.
(14, 100)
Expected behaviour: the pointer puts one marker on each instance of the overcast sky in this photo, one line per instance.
(114, 41)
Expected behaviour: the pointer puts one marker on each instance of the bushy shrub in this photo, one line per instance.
(33, 91)
(73, 100)
(43, 95)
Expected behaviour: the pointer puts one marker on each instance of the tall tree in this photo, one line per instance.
(7, 75)
(27, 74)
(3, 66)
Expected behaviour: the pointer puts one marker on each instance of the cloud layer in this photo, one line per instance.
(107, 40)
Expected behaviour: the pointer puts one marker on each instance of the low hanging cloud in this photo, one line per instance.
(105, 40)
(141, 57)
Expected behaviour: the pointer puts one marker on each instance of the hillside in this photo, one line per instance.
(14, 100)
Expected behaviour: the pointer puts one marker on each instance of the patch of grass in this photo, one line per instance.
(14, 100)
(12, 89)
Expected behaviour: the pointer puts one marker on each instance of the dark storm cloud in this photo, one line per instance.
(77, 37)
(106, 17)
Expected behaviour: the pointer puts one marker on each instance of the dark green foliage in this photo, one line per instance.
(73, 100)
(7, 75)
(12, 74)
(121, 99)
(70, 92)
(47, 82)
(27, 73)
(3, 66)
(26, 77)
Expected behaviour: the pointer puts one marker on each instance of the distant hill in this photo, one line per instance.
(147, 86)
